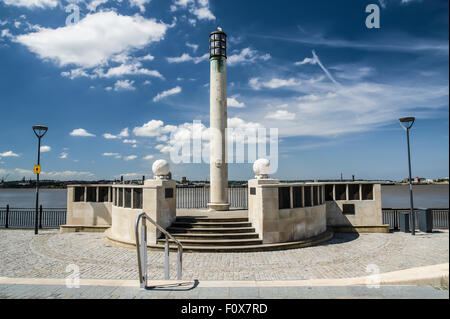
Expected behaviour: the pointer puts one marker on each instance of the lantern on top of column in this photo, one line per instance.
(218, 44)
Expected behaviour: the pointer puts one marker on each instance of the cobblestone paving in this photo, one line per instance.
(22, 254)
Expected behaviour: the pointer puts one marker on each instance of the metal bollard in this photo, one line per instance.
(144, 251)
(180, 263)
(166, 257)
(7, 216)
(40, 217)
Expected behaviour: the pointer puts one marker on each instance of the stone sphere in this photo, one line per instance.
(161, 168)
(261, 166)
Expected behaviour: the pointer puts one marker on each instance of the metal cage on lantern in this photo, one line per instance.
(218, 44)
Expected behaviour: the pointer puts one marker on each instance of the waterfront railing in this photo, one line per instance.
(198, 197)
(23, 218)
(391, 217)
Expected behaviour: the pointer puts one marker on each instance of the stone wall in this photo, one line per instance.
(158, 202)
(275, 225)
(81, 212)
(361, 212)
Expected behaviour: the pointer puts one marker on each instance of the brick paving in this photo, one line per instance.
(22, 254)
(88, 292)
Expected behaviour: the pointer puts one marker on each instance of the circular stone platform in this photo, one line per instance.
(326, 236)
(219, 232)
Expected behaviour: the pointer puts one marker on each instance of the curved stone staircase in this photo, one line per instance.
(223, 234)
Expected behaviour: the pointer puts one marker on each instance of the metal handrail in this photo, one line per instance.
(141, 249)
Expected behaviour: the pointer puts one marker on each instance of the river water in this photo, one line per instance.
(393, 196)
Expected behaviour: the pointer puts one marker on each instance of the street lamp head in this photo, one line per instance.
(407, 122)
(40, 130)
(218, 44)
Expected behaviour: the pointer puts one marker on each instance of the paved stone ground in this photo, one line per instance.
(22, 254)
(88, 292)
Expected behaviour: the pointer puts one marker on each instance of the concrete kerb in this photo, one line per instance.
(435, 276)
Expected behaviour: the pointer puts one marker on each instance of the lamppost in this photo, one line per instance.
(40, 131)
(407, 123)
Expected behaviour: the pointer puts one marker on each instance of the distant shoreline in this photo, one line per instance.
(236, 183)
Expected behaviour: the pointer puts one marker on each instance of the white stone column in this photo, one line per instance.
(218, 124)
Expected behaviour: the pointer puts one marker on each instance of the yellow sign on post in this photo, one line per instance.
(37, 169)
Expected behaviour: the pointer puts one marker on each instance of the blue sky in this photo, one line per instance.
(129, 75)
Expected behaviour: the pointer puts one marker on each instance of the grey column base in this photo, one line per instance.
(219, 206)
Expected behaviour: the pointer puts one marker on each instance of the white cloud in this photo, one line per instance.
(352, 72)
(187, 133)
(183, 3)
(124, 85)
(147, 82)
(32, 3)
(193, 46)
(94, 40)
(185, 57)
(130, 141)
(130, 158)
(153, 128)
(236, 122)
(275, 83)
(63, 155)
(126, 69)
(306, 61)
(115, 155)
(45, 148)
(328, 110)
(9, 154)
(92, 6)
(203, 13)
(109, 136)
(6, 34)
(75, 73)
(233, 102)
(280, 115)
(149, 157)
(123, 133)
(139, 3)
(81, 132)
(199, 8)
(164, 94)
(147, 57)
(246, 55)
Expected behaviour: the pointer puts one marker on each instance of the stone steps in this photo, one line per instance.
(214, 242)
(192, 219)
(215, 236)
(207, 234)
(222, 234)
(201, 224)
(204, 230)
(247, 248)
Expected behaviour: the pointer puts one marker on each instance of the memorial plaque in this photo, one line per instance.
(348, 209)
(169, 192)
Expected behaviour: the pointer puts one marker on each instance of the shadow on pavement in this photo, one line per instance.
(185, 286)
